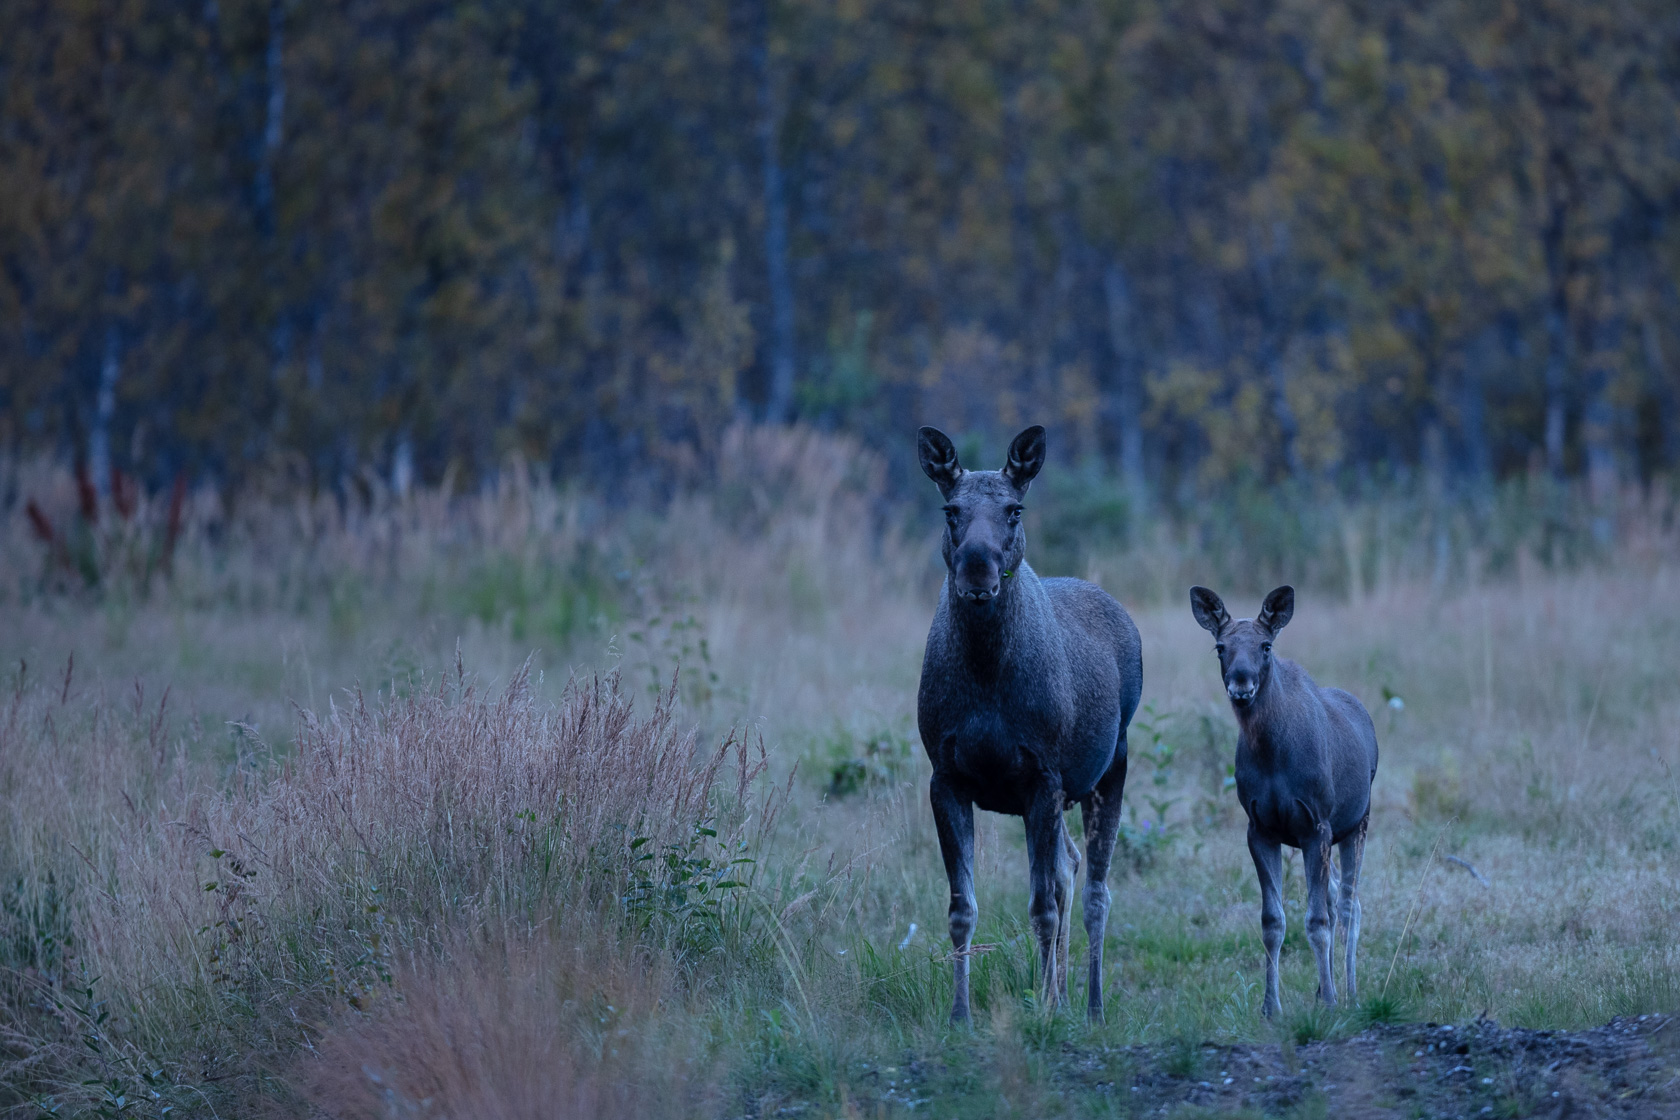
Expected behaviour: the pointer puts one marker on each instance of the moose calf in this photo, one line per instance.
(1305, 760)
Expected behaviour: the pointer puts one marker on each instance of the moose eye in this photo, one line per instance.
(1015, 516)
(1265, 647)
(1220, 649)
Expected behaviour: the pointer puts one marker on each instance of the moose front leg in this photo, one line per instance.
(1268, 865)
(954, 818)
(1321, 926)
(1051, 903)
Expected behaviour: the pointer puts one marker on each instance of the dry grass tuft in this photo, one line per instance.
(564, 1024)
(479, 788)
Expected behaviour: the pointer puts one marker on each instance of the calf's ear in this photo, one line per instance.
(939, 459)
(1026, 458)
(1278, 609)
(1209, 610)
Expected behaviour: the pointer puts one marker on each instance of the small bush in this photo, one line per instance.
(1382, 1008)
(1183, 1058)
(883, 759)
(1311, 1021)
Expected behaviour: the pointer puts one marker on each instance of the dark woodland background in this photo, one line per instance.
(1211, 244)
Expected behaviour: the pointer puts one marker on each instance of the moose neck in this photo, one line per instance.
(985, 631)
(1260, 718)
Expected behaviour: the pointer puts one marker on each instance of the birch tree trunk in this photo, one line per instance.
(781, 357)
(1128, 388)
(104, 409)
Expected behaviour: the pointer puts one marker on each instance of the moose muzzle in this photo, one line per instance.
(975, 573)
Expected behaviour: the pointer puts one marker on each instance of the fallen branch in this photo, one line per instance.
(1468, 866)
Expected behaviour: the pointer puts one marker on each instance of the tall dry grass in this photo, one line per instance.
(147, 900)
(569, 1023)
(285, 595)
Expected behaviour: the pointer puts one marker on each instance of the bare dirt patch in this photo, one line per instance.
(1625, 1068)
(1630, 1067)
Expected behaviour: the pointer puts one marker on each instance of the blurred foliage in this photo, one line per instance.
(120, 550)
(544, 600)
(1214, 245)
(859, 764)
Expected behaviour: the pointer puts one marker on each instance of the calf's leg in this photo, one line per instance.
(1101, 812)
(1321, 927)
(954, 818)
(1051, 882)
(1268, 866)
(1353, 858)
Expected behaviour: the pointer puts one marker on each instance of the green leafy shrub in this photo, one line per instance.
(880, 760)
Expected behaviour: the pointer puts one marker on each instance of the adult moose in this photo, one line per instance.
(1306, 757)
(1027, 688)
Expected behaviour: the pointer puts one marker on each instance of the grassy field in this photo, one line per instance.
(529, 804)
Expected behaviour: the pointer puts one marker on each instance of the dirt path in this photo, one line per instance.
(1419, 1071)
(1627, 1068)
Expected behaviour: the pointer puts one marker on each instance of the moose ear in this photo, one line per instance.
(1026, 458)
(939, 459)
(1209, 610)
(1278, 609)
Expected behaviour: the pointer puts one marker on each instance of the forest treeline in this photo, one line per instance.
(1206, 241)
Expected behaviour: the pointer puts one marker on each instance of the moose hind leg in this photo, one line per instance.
(1321, 926)
(1067, 873)
(1047, 865)
(1101, 813)
(1353, 859)
(1268, 866)
(1335, 893)
(954, 819)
